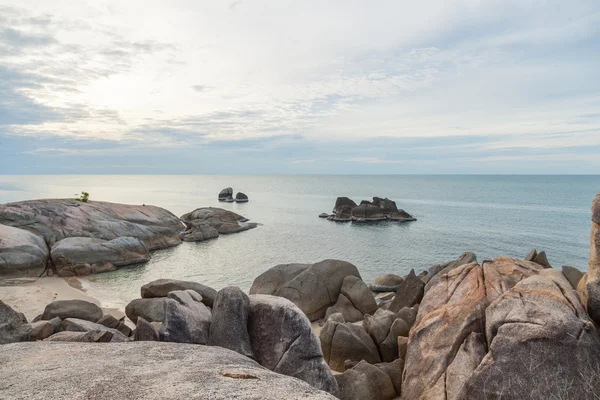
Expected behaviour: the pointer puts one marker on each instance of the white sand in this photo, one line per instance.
(31, 295)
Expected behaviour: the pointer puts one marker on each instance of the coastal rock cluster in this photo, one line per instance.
(380, 209)
(79, 238)
(226, 195)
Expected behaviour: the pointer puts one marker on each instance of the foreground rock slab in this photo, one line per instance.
(141, 370)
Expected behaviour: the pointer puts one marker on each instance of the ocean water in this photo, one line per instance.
(488, 215)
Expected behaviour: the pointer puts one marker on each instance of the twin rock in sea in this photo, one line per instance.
(380, 209)
(226, 195)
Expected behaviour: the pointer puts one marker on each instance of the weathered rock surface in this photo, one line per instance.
(592, 284)
(40, 330)
(346, 341)
(452, 309)
(441, 269)
(142, 370)
(388, 348)
(86, 337)
(81, 325)
(359, 294)
(21, 250)
(187, 319)
(386, 283)
(146, 331)
(573, 275)
(365, 381)
(162, 287)
(379, 209)
(13, 327)
(410, 293)
(378, 325)
(209, 222)
(241, 198)
(229, 327)
(152, 310)
(109, 321)
(76, 251)
(346, 309)
(80, 309)
(542, 260)
(225, 193)
(394, 370)
(283, 341)
(312, 289)
(503, 273)
(541, 340)
(58, 219)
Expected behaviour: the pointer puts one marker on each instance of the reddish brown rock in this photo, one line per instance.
(503, 273)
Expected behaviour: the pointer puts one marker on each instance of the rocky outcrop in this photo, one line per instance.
(366, 381)
(441, 269)
(152, 310)
(503, 273)
(355, 300)
(229, 327)
(592, 283)
(208, 223)
(84, 337)
(81, 325)
(187, 319)
(452, 309)
(241, 197)
(379, 209)
(573, 275)
(142, 370)
(312, 289)
(225, 194)
(409, 293)
(79, 309)
(21, 251)
(386, 283)
(83, 256)
(283, 341)
(13, 325)
(162, 287)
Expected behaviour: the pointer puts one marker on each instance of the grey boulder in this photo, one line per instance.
(386, 283)
(13, 327)
(80, 309)
(365, 382)
(21, 251)
(210, 222)
(187, 319)
(346, 341)
(81, 325)
(409, 293)
(152, 310)
(85, 337)
(162, 287)
(229, 327)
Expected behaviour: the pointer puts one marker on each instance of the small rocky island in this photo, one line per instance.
(226, 195)
(380, 209)
(74, 238)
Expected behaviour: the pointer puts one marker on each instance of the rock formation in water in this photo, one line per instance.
(380, 209)
(80, 238)
(226, 195)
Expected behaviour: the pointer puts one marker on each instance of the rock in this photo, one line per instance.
(337, 317)
(162, 287)
(274, 278)
(109, 321)
(145, 331)
(531, 256)
(21, 251)
(591, 287)
(394, 371)
(402, 347)
(388, 348)
(241, 198)
(187, 320)
(142, 370)
(409, 315)
(466, 361)
(386, 283)
(56, 323)
(346, 309)
(378, 325)
(81, 325)
(410, 293)
(343, 203)
(152, 310)
(313, 289)
(365, 381)
(573, 275)
(368, 212)
(208, 222)
(503, 273)
(229, 327)
(441, 269)
(401, 216)
(80, 309)
(283, 341)
(124, 329)
(12, 326)
(57, 219)
(539, 337)
(346, 341)
(542, 260)
(451, 310)
(225, 193)
(83, 255)
(359, 294)
(86, 337)
(41, 330)
(323, 215)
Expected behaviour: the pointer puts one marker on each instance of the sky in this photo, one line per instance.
(315, 87)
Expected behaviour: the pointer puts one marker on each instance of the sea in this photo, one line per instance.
(490, 215)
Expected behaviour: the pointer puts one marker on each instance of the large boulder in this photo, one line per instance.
(229, 327)
(187, 319)
(21, 251)
(592, 284)
(368, 212)
(503, 273)
(13, 326)
(346, 341)
(40, 330)
(283, 341)
(573, 275)
(81, 325)
(142, 370)
(80, 336)
(67, 254)
(208, 222)
(343, 203)
(451, 310)
(386, 283)
(241, 197)
(162, 287)
(274, 278)
(152, 310)
(378, 325)
(57, 219)
(80, 309)
(540, 343)
(346, 309)
(225, 193)
(355, 300)
(314, 289)
(365, 382)
(409, 293)
(441, 269)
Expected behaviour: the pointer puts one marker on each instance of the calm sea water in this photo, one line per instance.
(489, 215)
